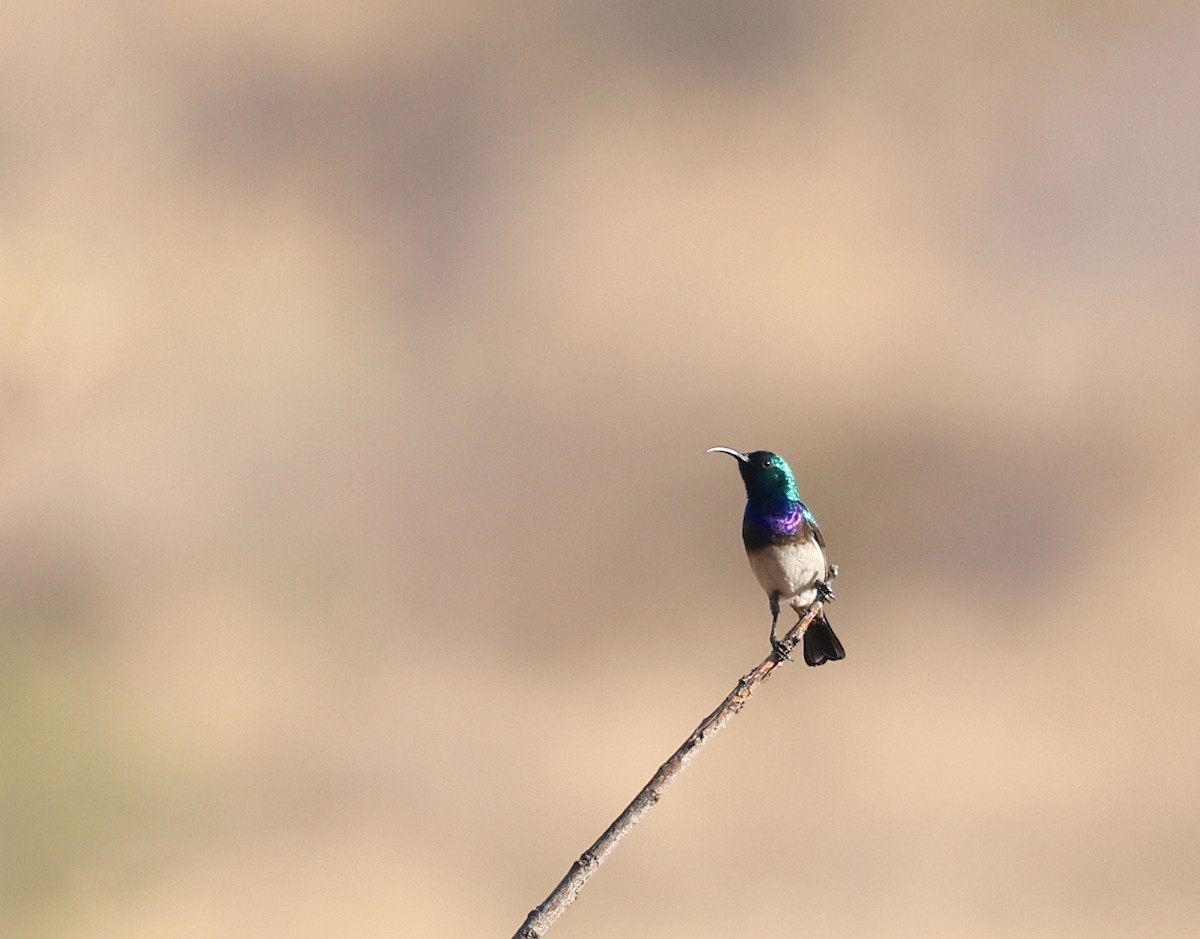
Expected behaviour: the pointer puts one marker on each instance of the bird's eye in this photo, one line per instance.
(766, 463)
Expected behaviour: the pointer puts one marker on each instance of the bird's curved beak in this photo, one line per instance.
(733, 453)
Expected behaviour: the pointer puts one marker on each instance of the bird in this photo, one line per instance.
(786, 550)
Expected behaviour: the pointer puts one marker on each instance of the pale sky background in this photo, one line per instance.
(360, 554)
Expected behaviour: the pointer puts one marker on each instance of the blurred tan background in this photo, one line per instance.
(361, 557)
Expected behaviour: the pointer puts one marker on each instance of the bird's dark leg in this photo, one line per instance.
(778, 646)
(824, 592)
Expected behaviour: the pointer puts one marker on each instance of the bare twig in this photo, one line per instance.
(542, 917)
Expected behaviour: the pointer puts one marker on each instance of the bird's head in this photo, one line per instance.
(767, 476)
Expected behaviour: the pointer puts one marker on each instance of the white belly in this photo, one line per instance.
(791, 570)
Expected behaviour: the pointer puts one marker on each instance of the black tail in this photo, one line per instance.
(820, 644)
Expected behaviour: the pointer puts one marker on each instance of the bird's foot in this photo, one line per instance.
(824, 593)
(781, 652)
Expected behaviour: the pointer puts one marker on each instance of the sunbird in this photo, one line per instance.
(786, 550)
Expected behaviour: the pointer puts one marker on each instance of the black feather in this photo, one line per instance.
(820, 643)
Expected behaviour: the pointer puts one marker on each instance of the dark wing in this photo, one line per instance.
(809, 522)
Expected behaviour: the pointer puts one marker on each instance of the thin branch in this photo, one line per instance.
(542, 917)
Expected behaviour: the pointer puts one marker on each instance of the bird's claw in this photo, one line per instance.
(824, 593)
(780, 649)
